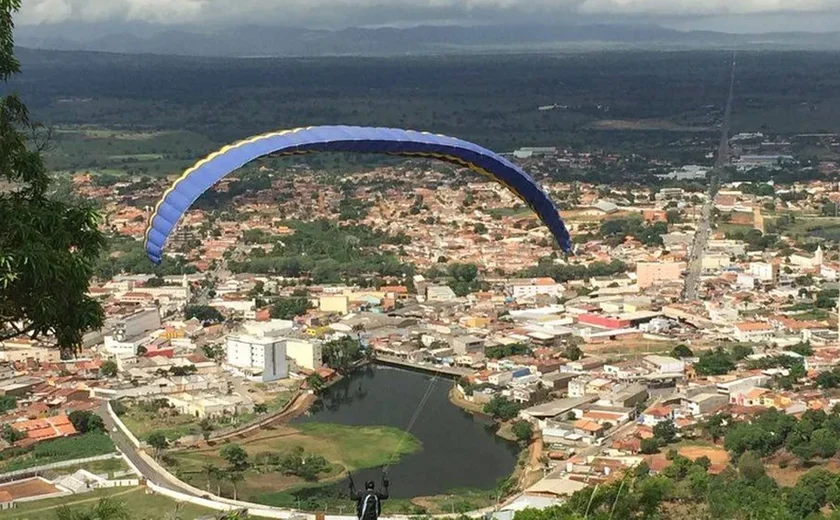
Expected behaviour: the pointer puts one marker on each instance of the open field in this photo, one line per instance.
(139, 504)
(118, 151)
(812, 225)
(716, 454)
(143, 423)
(646, 124)
(790, 475)
(346, 448)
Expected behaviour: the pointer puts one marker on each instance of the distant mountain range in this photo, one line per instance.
(260, 41)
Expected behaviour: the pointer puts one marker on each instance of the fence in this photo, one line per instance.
(32, 472)
(204, 499)
(232, 431)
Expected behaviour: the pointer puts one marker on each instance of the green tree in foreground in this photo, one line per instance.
(48, 248)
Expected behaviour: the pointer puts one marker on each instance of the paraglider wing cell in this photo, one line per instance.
(207, 172)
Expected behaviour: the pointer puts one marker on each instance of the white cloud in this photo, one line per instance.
(355, 11)
(156, 11)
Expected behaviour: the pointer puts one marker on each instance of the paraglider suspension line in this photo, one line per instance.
(417, 412)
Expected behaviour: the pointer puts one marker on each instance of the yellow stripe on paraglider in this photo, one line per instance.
(440, 156)
(204, 161)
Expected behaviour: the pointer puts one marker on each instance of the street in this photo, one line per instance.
(128, 449)
(701, 239)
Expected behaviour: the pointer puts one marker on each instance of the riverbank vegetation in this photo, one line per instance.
(274, 460)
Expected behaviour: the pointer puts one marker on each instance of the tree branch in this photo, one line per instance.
(16, 332)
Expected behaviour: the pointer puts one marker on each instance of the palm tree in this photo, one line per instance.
(218, 475)
(210, 471)
(234, 477)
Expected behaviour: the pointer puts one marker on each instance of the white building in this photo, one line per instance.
(741, 385)
(746, 331)
(746, 281)
(262, 357)
(131, 331)
(806, 260)
(440, 293)
(306, 354)
(534, 286)
(665, 364)
(136, 323)
(765, 272)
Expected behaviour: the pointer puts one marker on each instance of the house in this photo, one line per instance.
(535, 286)
(749, 331)
(655, 415)
(38, 430)
(557, 380)
(754, 397)
(590, 430)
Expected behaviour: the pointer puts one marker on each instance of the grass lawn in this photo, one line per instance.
(139, 504)
(725, 227)
(99, 467)
(509, 212)
(344, 447)
(58, 450)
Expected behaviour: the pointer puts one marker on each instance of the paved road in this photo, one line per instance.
(130, 451)
(701, 238)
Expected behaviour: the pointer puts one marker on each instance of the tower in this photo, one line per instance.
(818, 256)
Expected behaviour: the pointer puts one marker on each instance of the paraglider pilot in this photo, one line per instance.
(369, 501)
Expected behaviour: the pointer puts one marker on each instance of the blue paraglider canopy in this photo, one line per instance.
(408, 143)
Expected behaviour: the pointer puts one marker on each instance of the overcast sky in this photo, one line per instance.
(729, 15)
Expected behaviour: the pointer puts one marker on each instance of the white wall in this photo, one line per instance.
(306, 354)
